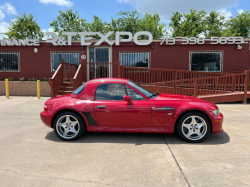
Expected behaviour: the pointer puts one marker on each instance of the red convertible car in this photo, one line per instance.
(120, 105)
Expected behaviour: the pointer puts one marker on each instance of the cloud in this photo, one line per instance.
(2, 15)
(48, 30)
(165, 8)
(240, 11)
(226, 13)
(3, 29)
(66, 3)
(7, 7)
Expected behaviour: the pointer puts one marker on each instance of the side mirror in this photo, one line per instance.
(127, 98)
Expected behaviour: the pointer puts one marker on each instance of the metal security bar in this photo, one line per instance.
(101, 55)
(209, 61)
(136, 59)
(99, 70)
(9, 61)
(70, 58)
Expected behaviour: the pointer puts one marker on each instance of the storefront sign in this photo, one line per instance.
(83, 57)
(86, 39)
(26, 42)
(201, 40)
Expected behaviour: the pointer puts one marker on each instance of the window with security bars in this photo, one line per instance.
(136, 59)
(9, 61)
(71, 58)
(209, 61)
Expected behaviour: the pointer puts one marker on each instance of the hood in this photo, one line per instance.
(56, 101)
(59, 97)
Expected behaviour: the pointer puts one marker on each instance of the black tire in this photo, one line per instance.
(65, 130)
(187, 120)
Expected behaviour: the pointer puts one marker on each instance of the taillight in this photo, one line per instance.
(45, 108)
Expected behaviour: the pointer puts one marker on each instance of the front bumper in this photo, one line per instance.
(217, 123)
(46, 117)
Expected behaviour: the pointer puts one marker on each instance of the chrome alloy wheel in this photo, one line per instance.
(67, 126)
(194, 127)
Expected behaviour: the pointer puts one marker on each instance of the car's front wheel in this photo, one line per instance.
(68, 126)
(193, 127)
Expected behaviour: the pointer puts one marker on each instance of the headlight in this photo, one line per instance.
(216, 112)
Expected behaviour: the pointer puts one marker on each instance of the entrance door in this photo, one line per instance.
(99, 62)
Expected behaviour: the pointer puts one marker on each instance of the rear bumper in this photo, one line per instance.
(217, 123)
(46, 117)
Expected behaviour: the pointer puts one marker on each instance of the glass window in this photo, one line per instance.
(71, 58)
(147, 93)
(91, 54)
(136, 59)
(101, 54)
(9, 61)
(110, 91)
(80, 89)
(206, 61)
(133, 94)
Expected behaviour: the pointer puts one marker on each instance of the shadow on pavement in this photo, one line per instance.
(139, 138)
(212, 139)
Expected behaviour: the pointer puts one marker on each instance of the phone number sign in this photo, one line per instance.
(201, 40)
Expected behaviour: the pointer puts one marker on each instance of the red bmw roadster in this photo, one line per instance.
(120, 105)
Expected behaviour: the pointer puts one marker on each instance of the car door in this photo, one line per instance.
(111, 110)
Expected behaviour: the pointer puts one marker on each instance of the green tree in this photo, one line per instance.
(215, 23)
(192, 25)
(128, 21)
(69, 21)
(151, 23)
(97, 25)
(175, 24)
(238, 26)
(25, 26)
(112, 26)
(134, 22)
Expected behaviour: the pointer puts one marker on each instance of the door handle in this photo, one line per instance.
(101, 106)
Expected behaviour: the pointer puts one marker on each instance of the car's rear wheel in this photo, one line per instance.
(193, 127)
(68, 126)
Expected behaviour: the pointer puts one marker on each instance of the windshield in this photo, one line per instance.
(79, 90)
(141, 89)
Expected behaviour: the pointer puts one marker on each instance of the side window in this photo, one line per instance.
(133, 94)
(110, 91)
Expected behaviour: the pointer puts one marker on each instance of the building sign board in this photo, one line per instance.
(83, 57)
(86, 39)
(26, 42)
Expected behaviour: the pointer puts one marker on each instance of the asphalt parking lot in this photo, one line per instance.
(32, 155)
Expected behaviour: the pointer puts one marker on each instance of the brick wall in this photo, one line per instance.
(26, 88)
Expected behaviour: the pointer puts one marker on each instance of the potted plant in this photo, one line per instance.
(33, 79)
(21, 79)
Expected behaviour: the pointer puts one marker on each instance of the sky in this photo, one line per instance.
(46, 10)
